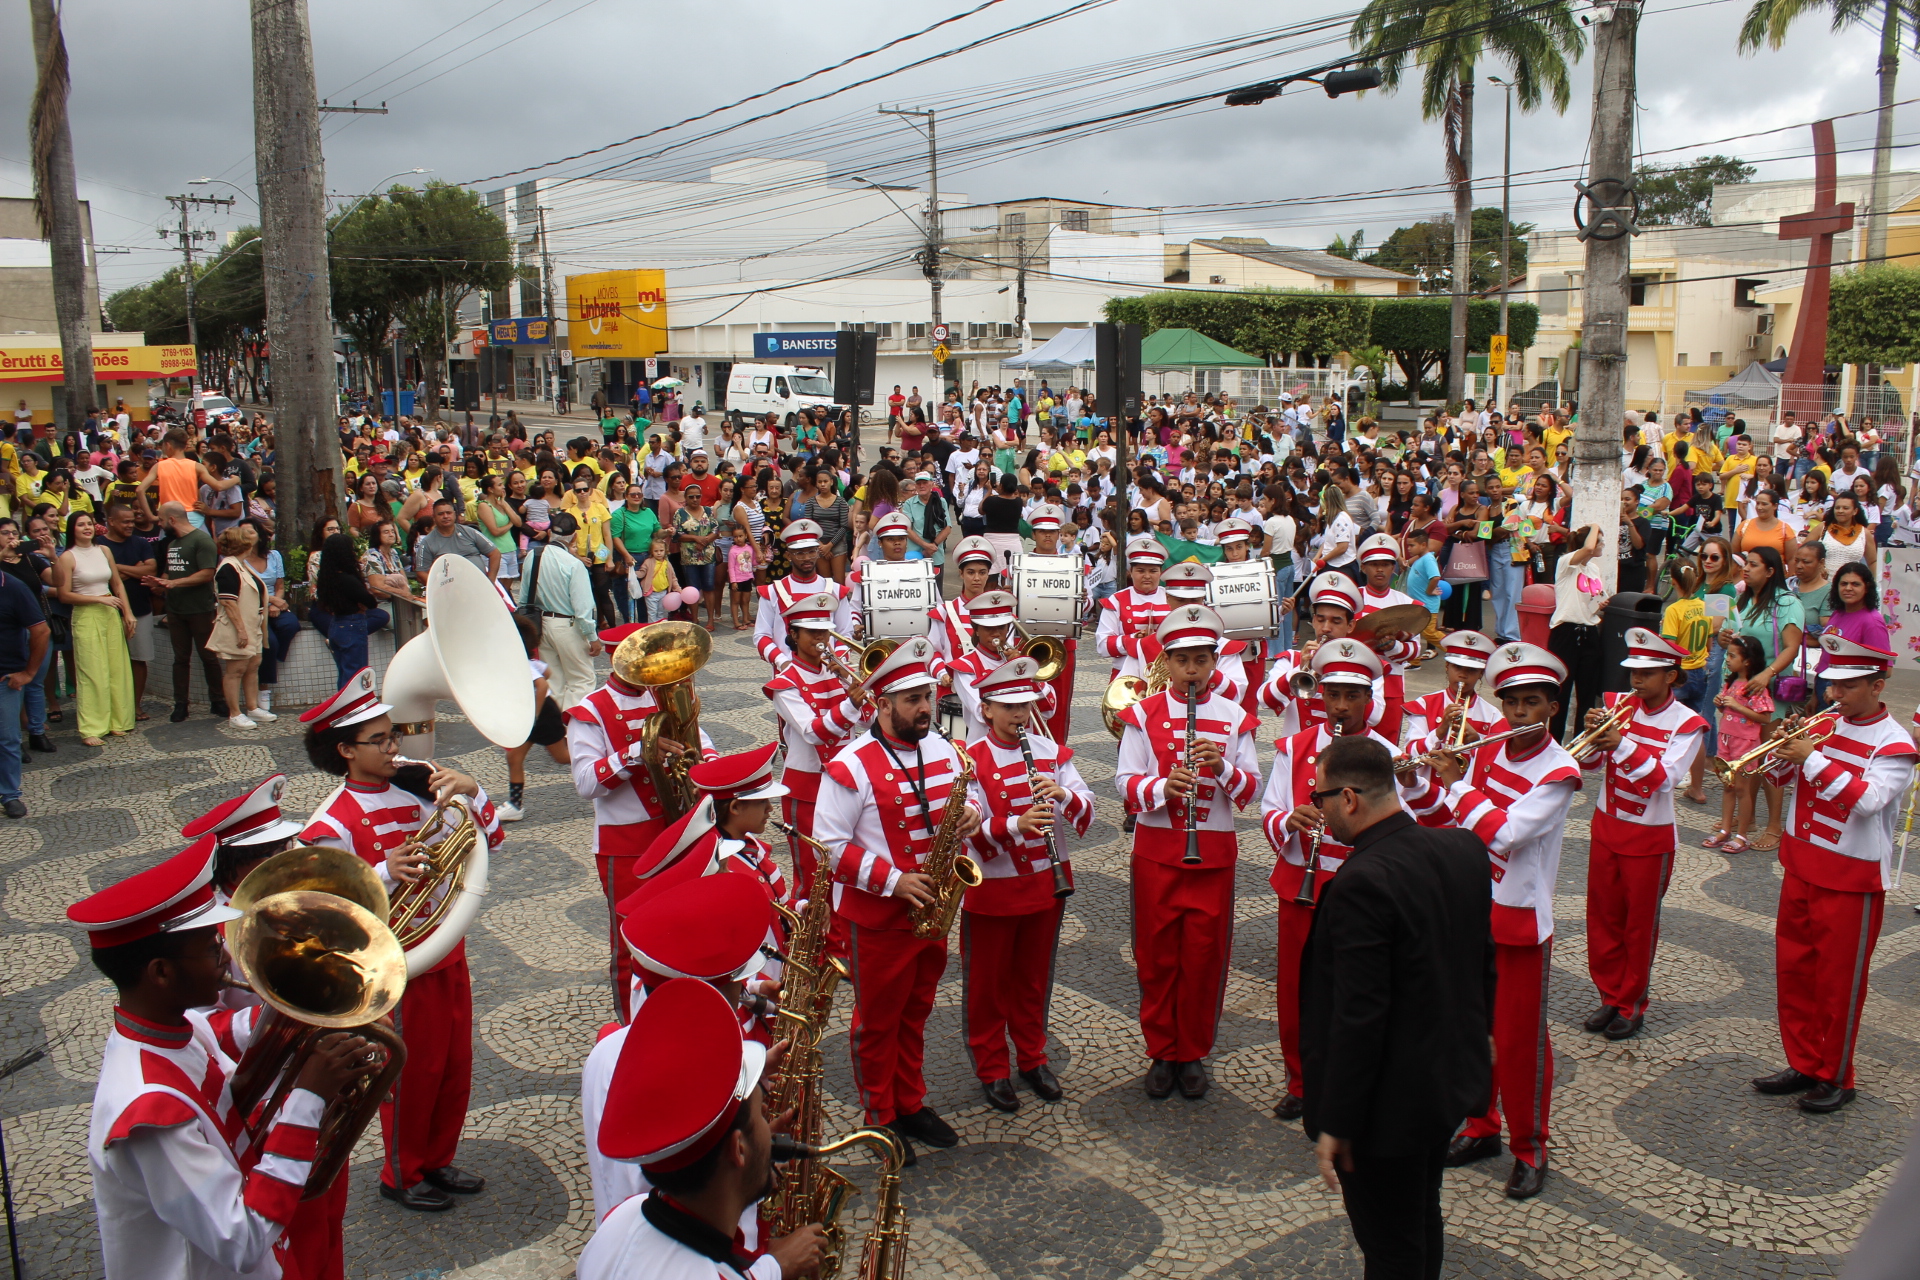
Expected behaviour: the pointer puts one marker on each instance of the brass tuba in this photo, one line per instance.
(312, 943)
(951, 871)
(1123, 691)
(884, 1255)
(664, 657)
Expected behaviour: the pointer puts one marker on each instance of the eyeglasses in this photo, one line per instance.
(1317, 796)
(380, 742)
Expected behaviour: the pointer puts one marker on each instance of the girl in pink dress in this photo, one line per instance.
(1744, 712)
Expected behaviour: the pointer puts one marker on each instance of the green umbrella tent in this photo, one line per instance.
(1191, 349)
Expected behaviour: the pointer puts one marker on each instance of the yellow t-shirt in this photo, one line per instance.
(1555, 437)
(659, 576)
(1701, 458)
(1685, 623)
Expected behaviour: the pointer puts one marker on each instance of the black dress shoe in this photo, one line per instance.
(420, 1196)
(906, 1149)
(1128, 824)
(1465, 1149)
(458, 1181)
(926, 1125)
(1042, 1081)
(1159, 1078)
(1786, 1080)
(1600, 1018)
(16, 808)
(1526, 1179)
(41, 742)
(1290, 1107)
(1000, 1094)
(180, 713)
(1624, 1028)
(1193, 1080)
(1824, 1097)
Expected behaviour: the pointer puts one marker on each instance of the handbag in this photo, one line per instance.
(529, 610)
(1466, 562)
(1787, 688)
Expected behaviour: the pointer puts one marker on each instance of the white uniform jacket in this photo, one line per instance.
(1017, 867)
(770, 623)
(601, 731)
(1126, 618)
(1423, 719)
(1846, 800)
(816, 719)
(1152, 743)
(976, 665)
(1654, 753)
(628, 1247)
(1296, 713)
(1518, 808)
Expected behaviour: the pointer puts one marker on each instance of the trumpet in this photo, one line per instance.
(1407, 764)
(1462, 700)
(1583, 747)
(872, 652)
(1759, 760)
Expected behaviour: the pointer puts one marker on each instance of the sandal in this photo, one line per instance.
(1717, 839)
(93, 742)
(141, 715)
(1736, 844)
(1765, 842)
(55, 715)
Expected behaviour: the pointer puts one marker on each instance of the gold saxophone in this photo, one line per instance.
(884, 1255)
(952, 872)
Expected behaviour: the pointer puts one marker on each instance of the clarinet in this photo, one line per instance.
(1062, 888)
(1309, 885)
(1191, 858)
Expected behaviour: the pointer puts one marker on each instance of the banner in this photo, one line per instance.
(1900, 603)
(617, 315)
(110, 364)
(524, 331)
(805, 346)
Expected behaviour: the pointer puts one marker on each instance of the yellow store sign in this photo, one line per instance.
(110, 364)
(617, 315)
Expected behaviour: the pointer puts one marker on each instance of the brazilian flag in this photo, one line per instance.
(1180, 551)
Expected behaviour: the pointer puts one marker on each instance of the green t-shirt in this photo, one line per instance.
(186, 557)
(634, 530)
(1767, 625)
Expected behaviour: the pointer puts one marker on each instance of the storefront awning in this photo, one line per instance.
(110, 364)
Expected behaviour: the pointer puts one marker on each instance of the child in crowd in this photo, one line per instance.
(740, 574)
(1742, 715)
(1425, 586)
(537, 515)
(549, 727)
(655, 578)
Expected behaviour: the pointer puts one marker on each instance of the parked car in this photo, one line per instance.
(221, 412)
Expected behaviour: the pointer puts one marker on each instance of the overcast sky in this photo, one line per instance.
(162, 94)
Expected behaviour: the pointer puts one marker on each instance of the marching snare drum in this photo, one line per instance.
(1242, 593)
(1049, 593)
(896, 598)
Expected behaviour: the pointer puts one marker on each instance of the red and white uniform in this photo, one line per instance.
(1421, 719)
(1837, 858)
(769, 623)
(886, 800)
(627, 1246)
(1127, 619)
(1396, 658)
(952, 630)
(420, 1123)
(817, 718)
(1304, 713)
(179, 1191)
(1010, 922)
(1634, 833)
(967, 673)
(1183, 915)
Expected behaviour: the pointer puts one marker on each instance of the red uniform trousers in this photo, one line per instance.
(1006, 973)
(1294, 922)
(1523, 1069)
(1182, 943)
(315, 1245)
(798, 814)
(1823, 942)
(420, 1124)
(1057, 723)
(617, 880)
(894, 977)
(1627, 873)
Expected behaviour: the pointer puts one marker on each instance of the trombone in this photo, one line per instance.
(1407, 764)
(1759, 760)
(872, 652)
(1583, 747)
(1047, 652)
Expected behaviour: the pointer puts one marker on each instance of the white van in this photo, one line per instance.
(755, 390)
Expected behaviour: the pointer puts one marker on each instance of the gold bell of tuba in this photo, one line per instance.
(664, 657)
(313, 944)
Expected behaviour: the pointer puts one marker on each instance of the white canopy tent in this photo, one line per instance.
(1068, 349)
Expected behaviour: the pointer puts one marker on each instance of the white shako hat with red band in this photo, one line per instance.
(1190, 626)
(891, 525)
(1146, 550)
(1381, 546)
(1346, 662)
(1851, 660)
(1014, 681)
(974, 550)
(1334, 587)
(708, 927)
(801, 534)
(682, 1076)
(357, 701)
(1232, 529)
(991, 609)
(1046, 516)
(907, 667)
(1647, 649)
(252, 817)
(1188, 580)
(744, 775)
(177, 894)
(814, 612)
(1518, 664)
(1467, 649)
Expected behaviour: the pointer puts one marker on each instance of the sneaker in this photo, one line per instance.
(266, 701)
(241, 722)
(262, 714)
(508, 812)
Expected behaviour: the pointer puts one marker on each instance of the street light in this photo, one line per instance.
(250, 195)
(1334, 82)
(1506, 231)
(376, 189)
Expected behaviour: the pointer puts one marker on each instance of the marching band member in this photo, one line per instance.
(1635, 830)
(888, 797)
(1349, 674)
(1334, 601)
(891, 533)
(1183, 911)
(1010, 921)
(818, 714)
(1188, 583)
(373, 812)
(179, 1189)
(686, 1105)
(1130, 615)
(1514, 795)
(1048, 522)
(722, 831)
(802, 540)
(952, 633)
(993, 645)
(1429, 717)
(1379, 561)
(1836, 860)
(604, 736)
(1234, 537)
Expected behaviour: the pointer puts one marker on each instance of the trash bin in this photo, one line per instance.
(1536, 613)
(1625, 609)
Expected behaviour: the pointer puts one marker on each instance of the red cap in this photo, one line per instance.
(709, 928)
(682, 1076)
(177, 894)
(614, 635)
(252, 817)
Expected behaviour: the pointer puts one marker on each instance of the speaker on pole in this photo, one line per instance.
(1116, 369)
(855, 359)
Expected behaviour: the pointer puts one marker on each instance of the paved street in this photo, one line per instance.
(1664, 1163)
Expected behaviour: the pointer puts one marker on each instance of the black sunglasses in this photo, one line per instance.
(1317, 796)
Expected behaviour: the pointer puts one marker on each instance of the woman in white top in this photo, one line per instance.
(84, 577)
(1578, 595)
(1845, 534)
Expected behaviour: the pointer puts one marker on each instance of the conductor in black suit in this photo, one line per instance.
(1396, 999)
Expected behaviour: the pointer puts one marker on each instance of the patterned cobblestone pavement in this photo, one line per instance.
(1664, 1163)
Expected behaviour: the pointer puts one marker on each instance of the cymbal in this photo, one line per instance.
(1400, 617)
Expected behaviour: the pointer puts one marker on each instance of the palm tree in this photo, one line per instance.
(1448, 39)
(1769, 19)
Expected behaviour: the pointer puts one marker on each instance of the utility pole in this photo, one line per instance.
(546, 305)
(1605, 215)
(56, 196)
(293, 242)
(930, 261)
(187, 236)
(1020, 295)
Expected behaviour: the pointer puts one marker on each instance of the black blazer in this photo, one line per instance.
(1396, 990)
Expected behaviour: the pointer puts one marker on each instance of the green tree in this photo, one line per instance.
(1262, 322)
(1417, 332)
(1874, 317)
(1350, 249)
(230, 310)
(1681, 194)
(1449, 40)
(1424, 251)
